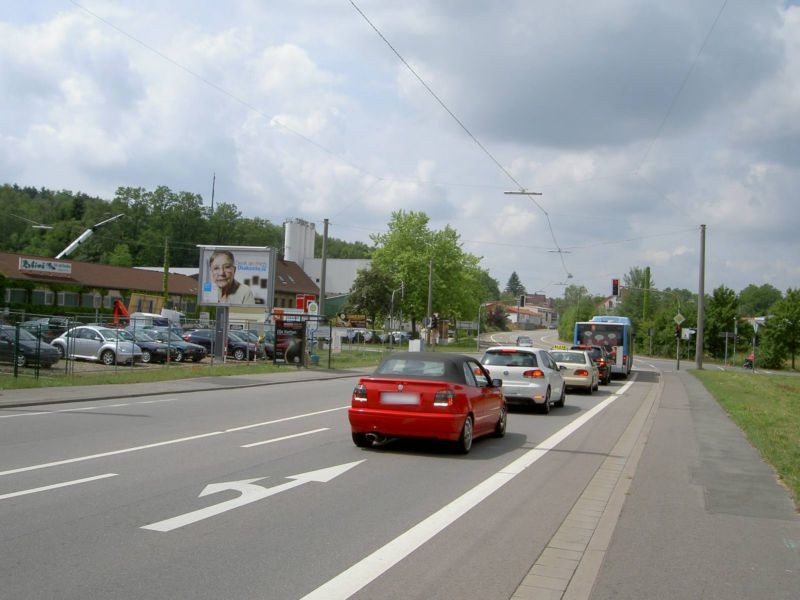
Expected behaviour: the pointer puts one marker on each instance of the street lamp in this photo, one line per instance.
(402, 290)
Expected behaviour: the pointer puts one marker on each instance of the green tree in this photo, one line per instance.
(121, 256)
(371, 294)
(756, 301)
(720, 314)
(514, 287)
(782, 329)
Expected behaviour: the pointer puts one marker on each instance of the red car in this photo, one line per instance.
(428, 395)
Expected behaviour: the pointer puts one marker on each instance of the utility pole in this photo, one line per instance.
(701, 299)
(430, 299)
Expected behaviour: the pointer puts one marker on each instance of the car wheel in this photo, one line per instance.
(360, 440)
(560, 402)
(21, 360)
(108, 357)
(178, 356)
(465, 441)
(61, 352)
(500, 428)
(197, 358)
(239, 354)
(596, 385)
(546, 405)
(146, 356)
(590, 389)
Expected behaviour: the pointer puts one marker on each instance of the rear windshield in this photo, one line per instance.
(569, 357)
(414, 367)
(509, 358)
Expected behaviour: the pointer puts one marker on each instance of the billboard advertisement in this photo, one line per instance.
(236, 276)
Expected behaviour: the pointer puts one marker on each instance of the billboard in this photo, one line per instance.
(236, 276)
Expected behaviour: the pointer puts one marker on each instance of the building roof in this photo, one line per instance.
(65, 271)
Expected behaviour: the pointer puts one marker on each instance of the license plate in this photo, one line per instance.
(399, 398)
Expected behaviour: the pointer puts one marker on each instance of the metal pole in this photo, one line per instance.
(430, 300)
(701, 294)
(678, 354)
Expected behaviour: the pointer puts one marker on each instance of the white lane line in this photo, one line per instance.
(104, 454)
(283, 420)
(82, 408)
(285, 437)
(165, 443)
(56, 486)
(370, 568)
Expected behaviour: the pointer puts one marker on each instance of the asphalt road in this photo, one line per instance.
(108, 499)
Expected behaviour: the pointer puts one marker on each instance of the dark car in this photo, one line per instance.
(254, 345)
(48, 328)
(152, 349)
(184, 351)
(601, 358)
(238, 349)
(29, 350)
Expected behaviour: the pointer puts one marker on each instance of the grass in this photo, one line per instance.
(767, 409)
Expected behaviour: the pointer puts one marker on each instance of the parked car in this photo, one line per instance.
(152, 349)
(602, 359)
(238, 349)
(184, 351)
(254, 347)
(48, 328)
(530, 376)
(427, 395)
(89, 342)
(24, 349)
(578, 369)
(524, 340)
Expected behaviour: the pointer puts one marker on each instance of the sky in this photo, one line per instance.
(637, 121)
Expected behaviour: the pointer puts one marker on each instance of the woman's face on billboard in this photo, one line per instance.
(222, 270)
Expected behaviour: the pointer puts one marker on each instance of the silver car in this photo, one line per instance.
(530, 376)
(90, 342)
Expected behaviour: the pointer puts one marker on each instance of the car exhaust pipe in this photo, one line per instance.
(374, 438)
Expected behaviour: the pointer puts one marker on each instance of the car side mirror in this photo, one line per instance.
(562, 368)
(497, 383)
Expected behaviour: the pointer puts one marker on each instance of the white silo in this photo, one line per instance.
(298, 241)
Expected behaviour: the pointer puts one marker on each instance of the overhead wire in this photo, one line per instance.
(466, 130)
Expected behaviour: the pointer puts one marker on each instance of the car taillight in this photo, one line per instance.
(534, 374)
(581, 372)
(360, 393)
(624, 359)
(444, 398)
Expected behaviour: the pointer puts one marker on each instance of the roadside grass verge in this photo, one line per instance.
(767, 409)
(121, 375)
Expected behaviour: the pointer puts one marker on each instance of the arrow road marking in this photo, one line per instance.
(249, 493)
(56, 486)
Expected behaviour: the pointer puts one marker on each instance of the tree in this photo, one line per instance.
(782, 329)
(121, 256)
(721, 309)
(371, 293)
(755, 301)
(514, 287)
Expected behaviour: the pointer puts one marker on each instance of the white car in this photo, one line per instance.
(530, 376)
(578, 369)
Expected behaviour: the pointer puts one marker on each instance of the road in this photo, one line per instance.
(260, 493)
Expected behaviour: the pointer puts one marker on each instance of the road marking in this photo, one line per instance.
(371, 567)
(56, 486)
(82, 408)
(285, 437)
(158, 444)
(283, 420)
(249, 493)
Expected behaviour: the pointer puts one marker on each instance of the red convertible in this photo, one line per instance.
(428, 395)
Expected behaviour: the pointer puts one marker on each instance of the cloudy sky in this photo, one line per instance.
(637, 120)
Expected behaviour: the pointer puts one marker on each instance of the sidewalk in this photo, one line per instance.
(51, 395)
(704, 516)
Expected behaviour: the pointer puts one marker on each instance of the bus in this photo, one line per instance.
(615, 333)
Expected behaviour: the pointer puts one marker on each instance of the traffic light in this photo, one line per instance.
(434, 321)
(522, 300)
(615, 287)
(678, 331)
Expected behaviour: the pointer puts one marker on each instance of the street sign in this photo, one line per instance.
(678, 319)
